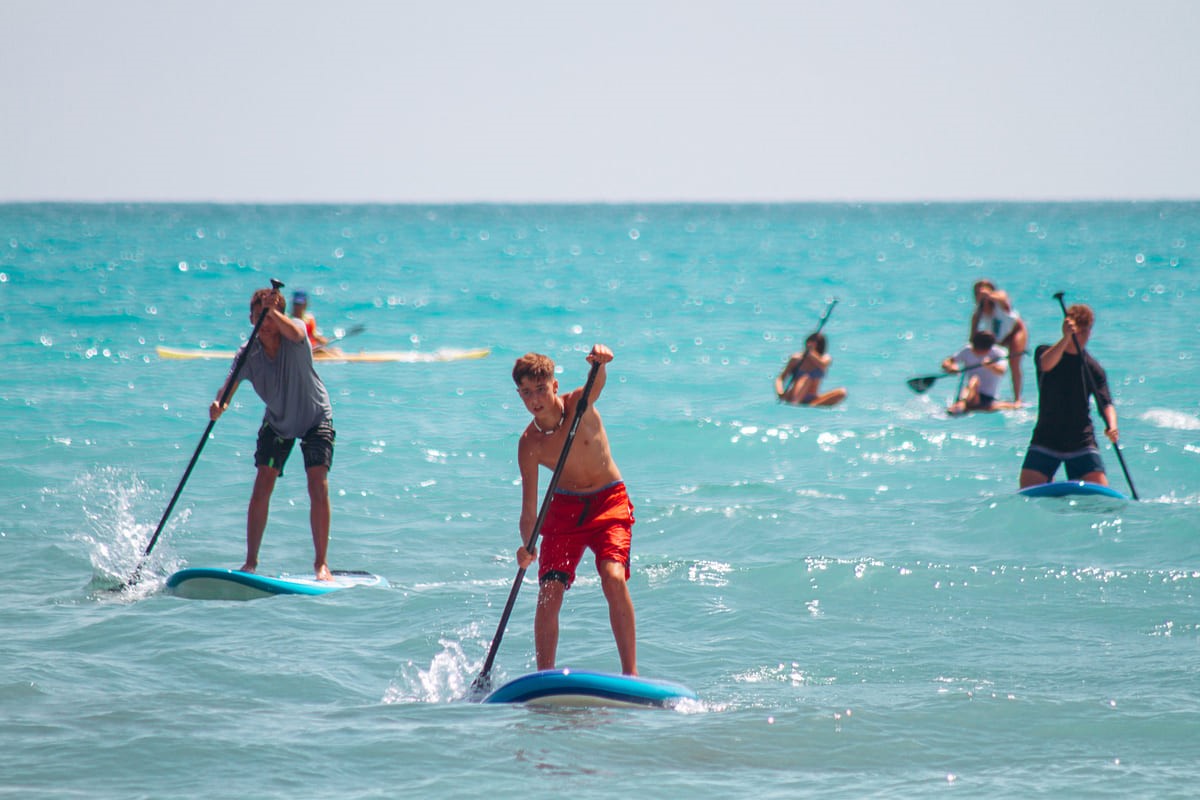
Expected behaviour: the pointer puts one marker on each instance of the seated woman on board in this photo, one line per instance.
(800, 381)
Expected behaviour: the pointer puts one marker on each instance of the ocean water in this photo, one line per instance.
(864, 605)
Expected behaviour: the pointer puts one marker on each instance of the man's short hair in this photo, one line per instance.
(263, 295)
(1083, 316)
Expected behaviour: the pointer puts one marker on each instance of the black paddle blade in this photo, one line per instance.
(922, 384)
(481, 687)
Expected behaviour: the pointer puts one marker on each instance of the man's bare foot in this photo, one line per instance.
(248, 567)
(323, 573)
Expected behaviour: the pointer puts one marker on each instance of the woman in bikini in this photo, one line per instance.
(800, 381)
(995, 314)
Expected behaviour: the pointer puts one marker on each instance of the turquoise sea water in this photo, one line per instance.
(860, 599)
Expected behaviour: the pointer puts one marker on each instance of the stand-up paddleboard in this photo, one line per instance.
(1069, 488)
(579, 688)
(211, 583)
(361, 357)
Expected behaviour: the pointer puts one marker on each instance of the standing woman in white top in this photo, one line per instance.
(995, 314)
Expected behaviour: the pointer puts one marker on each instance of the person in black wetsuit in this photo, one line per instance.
(1064, 432)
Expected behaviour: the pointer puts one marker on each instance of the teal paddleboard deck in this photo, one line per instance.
(210, 583)
(1069, 488)
(579, 688)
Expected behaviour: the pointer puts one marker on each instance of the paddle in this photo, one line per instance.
(921, 384)
(483, 683)
(237, 367)
(1091, 387)
(357, 329)
(825, 316)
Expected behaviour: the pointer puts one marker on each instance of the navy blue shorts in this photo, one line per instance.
(1079, 463)
(316, 445)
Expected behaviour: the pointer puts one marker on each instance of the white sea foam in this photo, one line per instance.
(1171, 418)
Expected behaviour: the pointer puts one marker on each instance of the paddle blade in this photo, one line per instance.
(922, 384)
(481, 687)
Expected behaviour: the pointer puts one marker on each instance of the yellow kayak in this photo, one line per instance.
(334, 356)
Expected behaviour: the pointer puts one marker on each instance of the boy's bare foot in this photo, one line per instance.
(323, 573)
(248, 567)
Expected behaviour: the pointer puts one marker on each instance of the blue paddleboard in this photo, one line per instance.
(1068, 488)
(211, 583)
(572, 687)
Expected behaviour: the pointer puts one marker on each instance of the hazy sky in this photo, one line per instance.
(521, 100)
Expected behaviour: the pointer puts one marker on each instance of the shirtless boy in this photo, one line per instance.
(590, 508)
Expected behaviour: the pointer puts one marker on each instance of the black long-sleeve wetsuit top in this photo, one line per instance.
(1064, 422)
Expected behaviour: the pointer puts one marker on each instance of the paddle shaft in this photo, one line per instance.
(357, 329)
(225, 395)
(923, 382)
(580, 408)
(1091, 387)
(825, 316)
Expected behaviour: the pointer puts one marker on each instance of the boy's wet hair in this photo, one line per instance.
(818, 341)
(534, 366)
(982, 340)
(1083, 316)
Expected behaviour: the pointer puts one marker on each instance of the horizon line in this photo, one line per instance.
(450, 201)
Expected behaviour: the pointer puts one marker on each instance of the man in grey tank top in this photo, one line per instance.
(279, 364)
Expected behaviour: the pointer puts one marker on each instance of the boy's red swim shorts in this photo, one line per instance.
(602, 520)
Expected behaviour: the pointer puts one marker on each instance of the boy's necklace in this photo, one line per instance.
(561, 420)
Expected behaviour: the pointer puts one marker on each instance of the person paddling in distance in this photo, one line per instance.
(983, 362)
(590, 507)
(800, 381)
(319, 342)
(300, 311)
(279, 364)
(995, 314)
(1064, 432)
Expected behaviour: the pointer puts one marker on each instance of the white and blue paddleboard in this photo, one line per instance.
(580, 688)
(211, 583)
(1069, 488)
